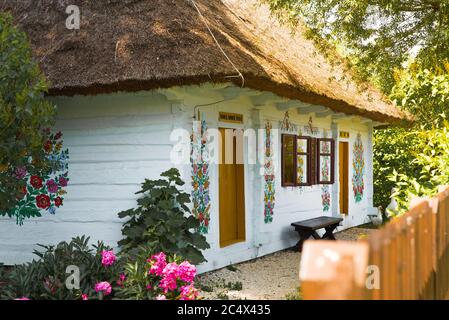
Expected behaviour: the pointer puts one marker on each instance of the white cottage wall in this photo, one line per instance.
(118, 140)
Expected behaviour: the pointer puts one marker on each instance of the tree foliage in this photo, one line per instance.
(25, 116)
(377, 35)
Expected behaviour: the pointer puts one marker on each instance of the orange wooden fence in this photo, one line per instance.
(408, 258)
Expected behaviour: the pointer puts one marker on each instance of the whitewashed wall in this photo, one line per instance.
(118, 140)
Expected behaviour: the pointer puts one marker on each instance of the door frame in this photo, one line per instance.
(342, 184)
(241, 239)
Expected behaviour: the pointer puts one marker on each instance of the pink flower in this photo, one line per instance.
(84, 296)
(104, 287)
(62, 182)
(170, 275)
(52, 187)
(188, 292)
(23, 298)
(187, 272)
(161, 297)
(121, 279)
(20, 172)
(108, 258)
(158, 263)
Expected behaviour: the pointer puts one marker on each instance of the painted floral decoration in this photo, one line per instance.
(200, 175)
(358, 168)
(43, 192)
(325, 197)
(286, 125)
(269, 189)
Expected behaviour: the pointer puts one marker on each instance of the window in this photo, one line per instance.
(288, 160)
(307, 161)
(325, 161)
(303, 161)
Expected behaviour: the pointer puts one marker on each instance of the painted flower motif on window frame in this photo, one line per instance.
(200, 175)
(358, 169)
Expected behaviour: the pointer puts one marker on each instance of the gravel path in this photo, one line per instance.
(271, 277)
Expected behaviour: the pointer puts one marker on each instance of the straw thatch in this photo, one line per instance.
(130, 45)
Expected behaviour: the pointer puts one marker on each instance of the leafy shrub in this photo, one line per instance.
(394, 149)
(162, 221)
(159, 277)
(45, 278)
(433, 158)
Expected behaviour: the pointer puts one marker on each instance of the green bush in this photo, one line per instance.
(393, 149)
(163, 222)
(433, 159)
(44, 278)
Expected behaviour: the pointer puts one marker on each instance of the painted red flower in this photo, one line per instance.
(47, 146)
(43, 201)
(200, 217)
(58, 135)
(36, 182)
(58, 201)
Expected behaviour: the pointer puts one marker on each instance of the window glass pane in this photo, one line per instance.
(325, 147)
(302, 169)
(301, 146)
(325, 168)
(289, 159)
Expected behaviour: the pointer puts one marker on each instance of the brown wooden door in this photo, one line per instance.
(343, 152)
(231, 190)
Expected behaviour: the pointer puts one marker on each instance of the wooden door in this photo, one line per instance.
(343, 154)
(231, 189)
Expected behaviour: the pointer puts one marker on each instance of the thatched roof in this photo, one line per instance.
(130, 45)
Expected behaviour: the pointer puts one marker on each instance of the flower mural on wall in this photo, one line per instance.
(325, 197)
(358, 169)
(269, 189)
(325, 166)
(286, 125)
(200, 175)
(44, 192)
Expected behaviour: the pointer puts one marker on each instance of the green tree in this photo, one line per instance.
(25, 117)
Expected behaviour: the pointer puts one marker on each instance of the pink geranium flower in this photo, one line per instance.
(170, 275)
(22, 298)
(186, 272)
(104, 287)
(158, 263)
(84, 296)
(161, 297)
(188, 292)
(108, 258)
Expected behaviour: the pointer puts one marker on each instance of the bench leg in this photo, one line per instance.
(303, 236)
(329, 234)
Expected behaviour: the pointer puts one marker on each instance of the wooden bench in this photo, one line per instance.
(307, 228)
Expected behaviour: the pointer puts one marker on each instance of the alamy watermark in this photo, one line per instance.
(73, 20)
(72, 282)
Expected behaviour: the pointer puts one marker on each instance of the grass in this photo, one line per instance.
(296, 295)
(222, 296)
